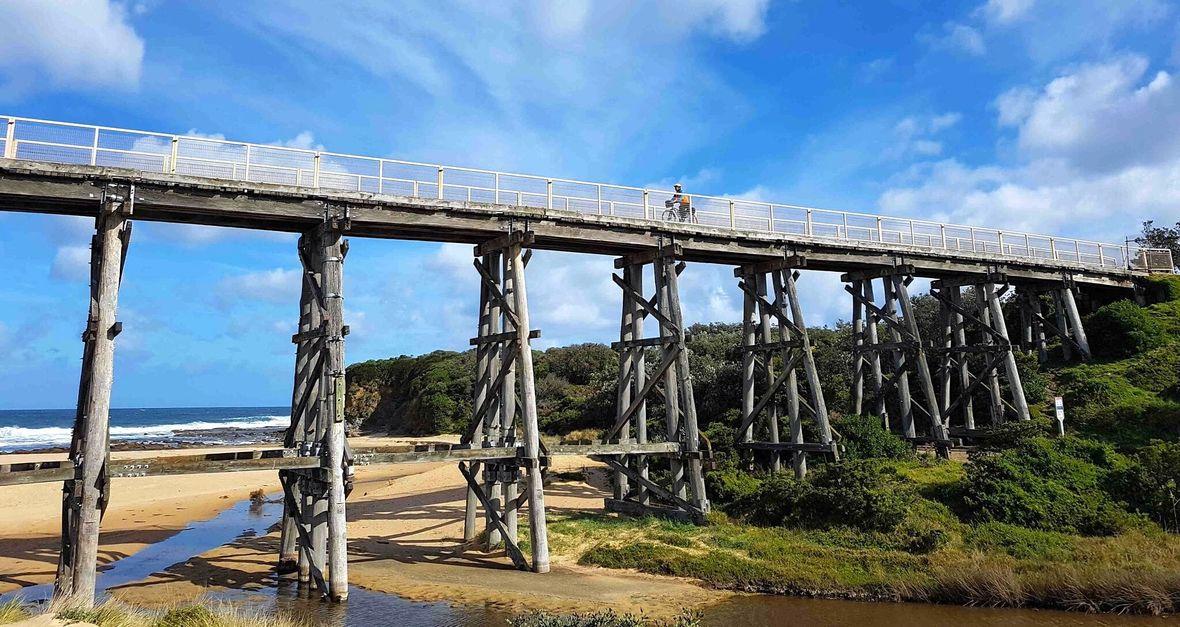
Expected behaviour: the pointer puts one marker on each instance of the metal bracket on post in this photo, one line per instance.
(338, 217)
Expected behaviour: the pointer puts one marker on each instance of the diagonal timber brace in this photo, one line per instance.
(505, 404)
(668, 383)
(891, 394)
(777, 329)
(976, 352)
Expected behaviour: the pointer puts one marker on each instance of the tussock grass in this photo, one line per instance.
(113, 613)
(12, 612)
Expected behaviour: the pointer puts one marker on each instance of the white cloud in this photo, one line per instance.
(522, 83)
(1014, 105)
(280, 285)
(71, 263)
(1052, 31)
(915, 135)
(1100, 153)
(1032, 198)
(305, 140)
(1004, 11)
(69, 44)
(1102, 116)
(955, 37)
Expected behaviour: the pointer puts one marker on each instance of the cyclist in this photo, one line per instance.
(682, 203)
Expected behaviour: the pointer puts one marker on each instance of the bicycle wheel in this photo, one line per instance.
(670, 215)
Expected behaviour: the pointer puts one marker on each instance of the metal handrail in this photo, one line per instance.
(83, 144)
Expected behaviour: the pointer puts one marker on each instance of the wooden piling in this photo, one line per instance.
(86, 495)
(1075, 321)
(333, 286)
(537, 529)
(1019, 403)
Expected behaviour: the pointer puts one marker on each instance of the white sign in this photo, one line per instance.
(1059, 405)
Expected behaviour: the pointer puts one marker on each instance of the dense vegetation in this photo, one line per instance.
(1080, 522)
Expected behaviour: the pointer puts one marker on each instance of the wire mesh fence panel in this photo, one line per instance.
(862, 228)
(134, 142)
(580, 197)
(52, 153)
(409, 179)
(626, 202)
(210, 158)
(54, 133)
(133, 160)
(926, 234)
(348, 173)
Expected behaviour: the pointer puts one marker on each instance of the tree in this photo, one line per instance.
(1161, 237)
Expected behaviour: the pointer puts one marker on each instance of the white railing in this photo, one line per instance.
(61, 142)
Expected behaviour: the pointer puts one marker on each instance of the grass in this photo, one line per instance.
(113, 613)
(12, 612)
(990, 564)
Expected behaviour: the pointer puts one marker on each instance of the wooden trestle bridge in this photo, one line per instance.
(115, 176)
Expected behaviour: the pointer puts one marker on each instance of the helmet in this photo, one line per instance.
(676, 187)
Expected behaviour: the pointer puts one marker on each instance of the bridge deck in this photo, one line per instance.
(42, 187)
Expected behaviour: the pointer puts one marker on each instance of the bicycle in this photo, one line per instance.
(679, 214)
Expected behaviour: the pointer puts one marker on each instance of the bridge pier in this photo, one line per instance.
(981, 318)
(1064, 323)
(635, 491)
(85, 496)
(505, 395)
(314, 536)
(905, 352)
(787, 339)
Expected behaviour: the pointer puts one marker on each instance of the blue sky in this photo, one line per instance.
(1047, 115)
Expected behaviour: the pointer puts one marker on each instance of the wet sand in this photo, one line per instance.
(405, 537)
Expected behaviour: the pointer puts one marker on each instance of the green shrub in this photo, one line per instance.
(858, 494)
(1122, 329)
(730, 486)
(863, 437)
(1017, 432)
(1034, 381)
(1151, 486)
(1155, 371)
(1162, 288)
(189, 616)
(1052, 485)
(1130, 424)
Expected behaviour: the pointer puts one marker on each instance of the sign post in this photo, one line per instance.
(1059, 407)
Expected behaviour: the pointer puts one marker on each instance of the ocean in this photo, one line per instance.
(34, 429)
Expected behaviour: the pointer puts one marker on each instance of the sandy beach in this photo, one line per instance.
(405, 532)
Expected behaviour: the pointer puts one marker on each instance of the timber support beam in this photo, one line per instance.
(86, 493)
(975, 353)
(505, 407)
(887, 366)
(776, 330)
(634, 490)
(314, 536)
(1049, 309)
